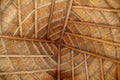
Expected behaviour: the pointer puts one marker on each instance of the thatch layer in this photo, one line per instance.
(60, 40)
(96, 33)
(24, 55)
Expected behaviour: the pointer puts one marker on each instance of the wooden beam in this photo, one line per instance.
(94, 39)
(63, 31)
(19, 17)
(50, 17)
(118, 70)
(23, 39)
(86, 67)
(27, 56)
(59, 62)
(96, 8)
(73, 72)
(1, 17)
(101, 69)
(66, 20)
(95, 24)
(93, 54)
(26, 72)
(36, 28)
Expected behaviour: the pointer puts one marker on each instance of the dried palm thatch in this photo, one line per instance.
(59, 39)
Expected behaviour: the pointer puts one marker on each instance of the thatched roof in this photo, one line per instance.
(59, 39)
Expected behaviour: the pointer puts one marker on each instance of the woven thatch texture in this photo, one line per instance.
(112, 51)
(10, 26)
(11, 47)
(47, 23)
(9, 16)
(59, 14)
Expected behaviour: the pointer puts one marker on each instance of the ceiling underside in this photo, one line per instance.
(40, 38)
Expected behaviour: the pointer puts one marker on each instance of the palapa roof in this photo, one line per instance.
(59, 39)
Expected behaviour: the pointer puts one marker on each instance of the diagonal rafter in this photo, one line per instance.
(27, 56)
(95, 8)
(36, 19)
(86, 67)
(93, 54)
(101, 69)
(73, 72)
(94, 39)
(26, 72)
(95, 24)
(63, 31)
(23, 39)
(118, 66)
(0, 18)
(50, 17)
(19, 17)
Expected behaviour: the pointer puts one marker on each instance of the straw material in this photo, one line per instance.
(59, 39)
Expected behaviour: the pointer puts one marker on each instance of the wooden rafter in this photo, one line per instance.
(93, 54)
(19, 17)
(95, 8)
(101, 69)
(118, 70)
(95, 39)
(50, 17)
(86, 67)
(95, 24)
(0, 17)
(66, 20)
(26, 72)
(59, 62)
(73, 74)
(36, 19)
(23, 39)
(63, 31)
(27, 56)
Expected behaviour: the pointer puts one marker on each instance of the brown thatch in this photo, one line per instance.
(59, 39)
